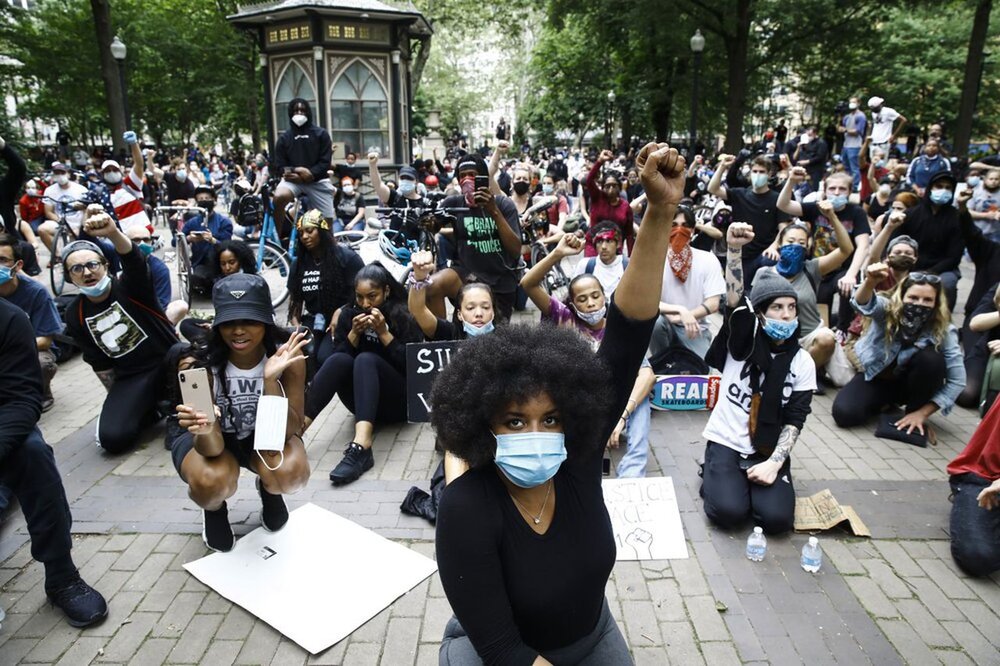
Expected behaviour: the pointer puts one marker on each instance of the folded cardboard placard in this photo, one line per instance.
(316, 580)
(822, 511)
(645, 519)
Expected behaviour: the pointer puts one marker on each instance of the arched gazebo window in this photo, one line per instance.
(360, 111)
(294, 83)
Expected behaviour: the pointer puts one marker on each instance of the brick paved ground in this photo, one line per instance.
(897, 598)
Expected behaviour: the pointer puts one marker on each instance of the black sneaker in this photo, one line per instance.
(357, 460)
(216, 532)
(47, 404)
(84, 606)
(273, 512)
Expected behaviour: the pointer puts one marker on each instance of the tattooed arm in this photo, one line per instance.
(738, 235)
(786, 440)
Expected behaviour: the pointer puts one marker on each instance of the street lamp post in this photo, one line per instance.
(697, 46)
(118, 52)
(609, 123)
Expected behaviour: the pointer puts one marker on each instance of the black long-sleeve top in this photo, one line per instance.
(10, 187)
(518, 593)
(20, 378)
(985, 254)
(403, 331)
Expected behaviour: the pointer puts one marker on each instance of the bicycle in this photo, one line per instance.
(182, 253)
(417, 229)
(274, 262)
(63, 236)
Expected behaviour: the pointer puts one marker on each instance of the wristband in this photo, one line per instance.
(418, 284)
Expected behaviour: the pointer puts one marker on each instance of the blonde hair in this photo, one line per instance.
(940, 320)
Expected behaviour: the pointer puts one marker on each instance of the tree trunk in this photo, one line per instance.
(253, 99)
(418, 64)
(736, 49)
(973, 73)
(109, 72)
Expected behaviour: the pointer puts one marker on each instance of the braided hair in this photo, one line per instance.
(333, 289)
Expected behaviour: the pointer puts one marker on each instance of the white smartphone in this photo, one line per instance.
(196, 391)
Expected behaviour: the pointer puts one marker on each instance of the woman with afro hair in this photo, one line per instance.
(524, 541)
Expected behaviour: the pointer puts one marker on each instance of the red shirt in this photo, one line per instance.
(981, 455)
(30, 208)
(601, 210)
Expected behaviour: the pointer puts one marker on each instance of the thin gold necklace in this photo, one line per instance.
(537, 519)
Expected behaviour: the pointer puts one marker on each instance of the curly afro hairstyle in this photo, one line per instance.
(511, 365)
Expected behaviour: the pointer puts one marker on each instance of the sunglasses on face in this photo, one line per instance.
(92, 266)
(924, 278)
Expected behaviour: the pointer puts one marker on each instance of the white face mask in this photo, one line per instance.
(181, 175)
(62, 179)
(852, 106)
(884, 189)
(348, 189)
(113, 177)
(299, 119)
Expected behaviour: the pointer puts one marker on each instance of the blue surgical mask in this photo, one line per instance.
(779, 330)
(592, 318)
(758, 180)
(98, 289)
(530, 459)
(838, 201)
(406, 186)
(793, 256)
(6, 274)
(546, 188)
(146, 249)
(472, 330)
(941, 197)
(973, 181)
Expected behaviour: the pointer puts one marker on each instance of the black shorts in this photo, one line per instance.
(242, 449)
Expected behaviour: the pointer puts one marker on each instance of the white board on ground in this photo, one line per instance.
(316, 580)
(645, 519)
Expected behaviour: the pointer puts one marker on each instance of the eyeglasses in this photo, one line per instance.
(92, 266)
(924, 278)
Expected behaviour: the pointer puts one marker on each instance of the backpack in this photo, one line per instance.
(991, 385)
(678, 361)
(592, 264)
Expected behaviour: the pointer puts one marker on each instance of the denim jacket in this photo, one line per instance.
(875, 356)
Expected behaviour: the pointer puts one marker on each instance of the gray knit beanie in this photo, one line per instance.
(768, 285)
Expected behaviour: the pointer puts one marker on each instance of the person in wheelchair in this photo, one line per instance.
(203, 232)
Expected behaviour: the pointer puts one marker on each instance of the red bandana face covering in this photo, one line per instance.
(680, 252)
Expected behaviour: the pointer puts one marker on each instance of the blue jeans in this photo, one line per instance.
(850, 159)
(975, 532)
(633, 463)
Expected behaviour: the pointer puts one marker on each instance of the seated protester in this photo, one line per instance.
(756, 205)
(559, 211)
(349, 207)
(634, 424)
(367, 369)
(692, 286)
(231, 256)
(609, 265)
(180, 186)
(175, 310)
(30, 206)
(203, 232)
(487, 241)
(34, 299)
(404, 195)
(747, 469)
(985, 254)
(984, 207)
(925, 166)
(901, 202)
(806, 275)
(606, 202)
(518, 598)
(934, 224)
(119, 326)
(246, 360)
(825, 239)
(984, 322)
(321, 281)
(28, 468)
(881, 200)
(475, 305)
(126, 192)
(909, 352)
(69, 197)
(975, 497)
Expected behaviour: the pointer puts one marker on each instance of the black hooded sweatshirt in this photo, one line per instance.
(308, 146)
(10, 187)
(937, 231)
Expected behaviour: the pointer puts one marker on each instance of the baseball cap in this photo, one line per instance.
(58, 166)
(110, 163)
(242, 296)
(408, 172)
(875, 102)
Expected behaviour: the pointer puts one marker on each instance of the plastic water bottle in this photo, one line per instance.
(756, 545)
(812, 556)
(3, 616)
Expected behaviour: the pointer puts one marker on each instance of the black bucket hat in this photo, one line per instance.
(242, 296)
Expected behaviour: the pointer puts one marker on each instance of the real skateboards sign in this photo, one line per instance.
(685, 392)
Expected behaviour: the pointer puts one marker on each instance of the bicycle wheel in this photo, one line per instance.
(57, 276)
(353, 238)
(557, 283)
(274, 269)
(183, 262)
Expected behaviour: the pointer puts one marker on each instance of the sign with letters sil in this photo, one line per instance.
(685, 392)
(424, 360)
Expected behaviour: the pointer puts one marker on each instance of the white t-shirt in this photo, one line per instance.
(244, 388)
(729, 423)
(66, 196)
(882, 124)
(704, 281)
(609, 275)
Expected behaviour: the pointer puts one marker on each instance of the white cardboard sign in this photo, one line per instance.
(316, 580)
(645, 519)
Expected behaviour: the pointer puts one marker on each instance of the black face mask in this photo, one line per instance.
(901, 262)
(206, 205)
(521, 187)
(912, 321)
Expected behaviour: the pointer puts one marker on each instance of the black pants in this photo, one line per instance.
(30, 472)
(368, 385)
(975, 531)
(976, 360)
(913, 386)
(130, 407)
(825, 292)
(202, 278)
(731, 498)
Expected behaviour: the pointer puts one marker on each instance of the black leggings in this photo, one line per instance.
(131, 405)
(913, 386)
(731, 498)
(368, 385)
(825, 292)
